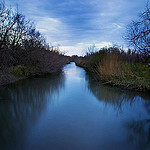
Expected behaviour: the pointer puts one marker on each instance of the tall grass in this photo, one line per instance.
(118, 72)
(109, 66)
(117, 67)
(112, 65)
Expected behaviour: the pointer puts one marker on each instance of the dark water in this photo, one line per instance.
(70, 111)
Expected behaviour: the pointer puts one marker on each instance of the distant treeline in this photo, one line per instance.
(23, 49)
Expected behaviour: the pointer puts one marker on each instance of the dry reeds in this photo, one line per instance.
(110, 65)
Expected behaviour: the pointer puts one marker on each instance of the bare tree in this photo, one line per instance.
(22, 44)
(138, 34)
(7, 22)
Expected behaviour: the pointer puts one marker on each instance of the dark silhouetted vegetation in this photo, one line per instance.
(138, 34)
(23, 49)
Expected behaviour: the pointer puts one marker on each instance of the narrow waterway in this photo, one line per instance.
(70, 111)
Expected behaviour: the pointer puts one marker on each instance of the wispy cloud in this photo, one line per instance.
(70, 22)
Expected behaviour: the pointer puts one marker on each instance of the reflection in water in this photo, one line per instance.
(24, 101)
(50, 113)
(139, 133)
(112, 95)
(138, 129)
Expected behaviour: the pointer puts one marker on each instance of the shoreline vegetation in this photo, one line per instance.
(129, 69)
(24, 51)
(115, 67)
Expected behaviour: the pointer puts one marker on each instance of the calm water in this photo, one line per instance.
(70, 111)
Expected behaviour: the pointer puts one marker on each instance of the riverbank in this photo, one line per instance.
(112, 70)
(21, 72)
(24, 51)
(38, 109)
(9, 78)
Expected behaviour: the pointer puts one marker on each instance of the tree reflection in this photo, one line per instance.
(140, 133)
(139, 130)
(24, 101)
(112, 95)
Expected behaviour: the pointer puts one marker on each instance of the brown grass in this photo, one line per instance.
(109, 66)
(112, 66)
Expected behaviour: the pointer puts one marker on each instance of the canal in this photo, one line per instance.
(71, 111)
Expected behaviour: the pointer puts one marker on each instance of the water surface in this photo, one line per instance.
(70, 111)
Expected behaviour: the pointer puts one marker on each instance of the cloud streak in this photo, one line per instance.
(70, 22)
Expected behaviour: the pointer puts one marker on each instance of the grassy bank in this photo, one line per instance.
(117, 68)
(21, 71)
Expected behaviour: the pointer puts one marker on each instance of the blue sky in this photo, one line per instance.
(77, 24)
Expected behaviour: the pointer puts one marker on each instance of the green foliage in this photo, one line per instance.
(130, 75)
(95, 59)
(22, 70)
(136, 76)
(141, 71)
(19, 70)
